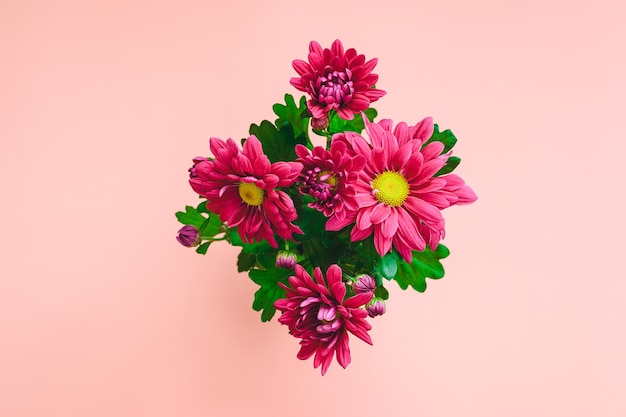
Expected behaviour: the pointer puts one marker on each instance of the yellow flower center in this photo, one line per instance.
(331, 179)
(250, 193)
(390, 188)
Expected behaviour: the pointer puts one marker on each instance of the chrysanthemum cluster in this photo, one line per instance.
(322, 227)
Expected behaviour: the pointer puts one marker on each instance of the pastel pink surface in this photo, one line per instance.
(103, 313)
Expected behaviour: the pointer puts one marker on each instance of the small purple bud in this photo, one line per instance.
(376, 307)
(319, 124)
(188, 236)
(364, 283)
(286, 259)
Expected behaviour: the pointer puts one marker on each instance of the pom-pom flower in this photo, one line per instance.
(336, 80)
(240, 187)
(328, 176)
(317, 312)
(399, 197)
(356, 212)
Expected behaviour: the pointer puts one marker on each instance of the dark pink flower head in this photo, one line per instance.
(328, 176)
(316, 312)
(240, 187)
(399, 197)
(336, 80)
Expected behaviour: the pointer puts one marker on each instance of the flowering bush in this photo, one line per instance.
(322, 227)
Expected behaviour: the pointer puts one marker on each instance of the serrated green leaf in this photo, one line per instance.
(254, 248)
(267, 259)
(208, 225)
(450, 166)
(337, 125)
(278, 144)
(270, 291)
(201, 208)
(203, 248)
(387, 266)
(296, 115)
(191, 216)
(425, 264)
(245, 261)
(381, 292)
(211, 227)
(446, 137)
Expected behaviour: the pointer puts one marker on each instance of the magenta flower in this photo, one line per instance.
(399, 198)
(316, 312)
(240, 187)
(328, 176)
(336, 80)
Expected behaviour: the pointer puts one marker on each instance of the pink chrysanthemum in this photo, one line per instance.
(240, 187)
(328, 177)
(399, 198)
(336, 80)
(316, 312)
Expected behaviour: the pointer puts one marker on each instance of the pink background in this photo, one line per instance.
(104, 103)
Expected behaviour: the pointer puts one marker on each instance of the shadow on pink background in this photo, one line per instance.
(102, 107)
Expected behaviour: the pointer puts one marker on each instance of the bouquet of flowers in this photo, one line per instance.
(322, 228)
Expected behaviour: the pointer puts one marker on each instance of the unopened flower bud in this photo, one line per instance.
(188, 236)
(364, 283)
(319, 124)
(376, 307)
(286, 259)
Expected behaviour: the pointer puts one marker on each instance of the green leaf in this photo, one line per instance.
(245, 261)
(202, 207)
(446, 137)
(203, 248)
(208, 225)
(363, 256)
(267, 259)
(311, 221)
(386, 266)
(370, 254)
(425, 265)
(337, 125)
(211, 227)
(191, 216)
(270, 291)
(254, 248)
(278, 144)
(381, 292)
(315, 252)
(332, 241)
(296, 115)
(450, 166)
